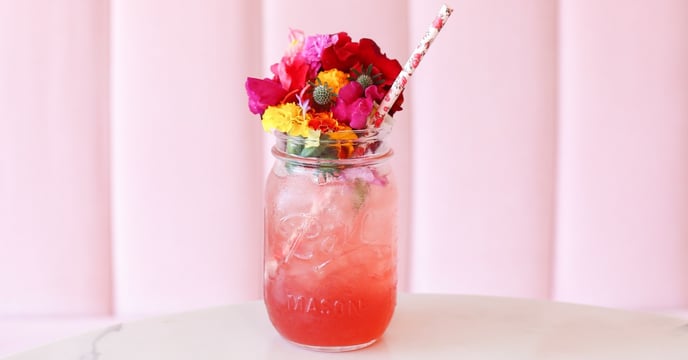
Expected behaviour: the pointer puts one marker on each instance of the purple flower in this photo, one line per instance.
(312, 50)
(263, 93)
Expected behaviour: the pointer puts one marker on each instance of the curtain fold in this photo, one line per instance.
(54, 150)
(484, 122)
(622, 236)
(186, 159)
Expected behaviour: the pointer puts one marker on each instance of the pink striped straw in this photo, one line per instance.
(411, 65)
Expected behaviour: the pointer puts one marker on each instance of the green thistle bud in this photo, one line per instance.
(365, 80)
(322, 95)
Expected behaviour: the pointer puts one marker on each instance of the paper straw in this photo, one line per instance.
(411, 65)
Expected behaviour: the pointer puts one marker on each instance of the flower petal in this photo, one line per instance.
(263, 93)
(360, 110)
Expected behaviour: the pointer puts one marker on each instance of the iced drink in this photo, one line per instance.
(330, 253)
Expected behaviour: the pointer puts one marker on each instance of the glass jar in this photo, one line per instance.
(330, 256)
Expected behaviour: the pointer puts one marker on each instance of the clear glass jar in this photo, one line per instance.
(331, 241)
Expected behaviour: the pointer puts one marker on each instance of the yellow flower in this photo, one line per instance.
(334, 78)
(287, 118)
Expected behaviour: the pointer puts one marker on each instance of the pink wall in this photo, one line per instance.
(484, 125)
(186, 169)
(54, 150)
(543, 151)
(622, 223)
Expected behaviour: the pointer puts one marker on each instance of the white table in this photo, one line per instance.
(424, 327)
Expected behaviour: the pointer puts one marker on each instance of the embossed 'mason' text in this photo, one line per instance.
(323, 306)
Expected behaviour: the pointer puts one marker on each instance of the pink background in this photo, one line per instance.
(542, 153)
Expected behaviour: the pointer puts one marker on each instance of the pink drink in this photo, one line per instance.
(330, 254)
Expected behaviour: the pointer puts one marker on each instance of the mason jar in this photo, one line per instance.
(330, 277)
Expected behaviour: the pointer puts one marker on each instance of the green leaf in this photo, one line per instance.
(293, 147)
(314, 151)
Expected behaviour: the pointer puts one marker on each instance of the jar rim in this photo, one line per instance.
(362, 135)
(318, 162)
(369, 146)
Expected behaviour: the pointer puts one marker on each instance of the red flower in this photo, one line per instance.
(263, 93)
(291, 72)
(342, 55)
(369, 53)
(346, 55)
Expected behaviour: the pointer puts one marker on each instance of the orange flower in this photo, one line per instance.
(343, 137)
(322, 121)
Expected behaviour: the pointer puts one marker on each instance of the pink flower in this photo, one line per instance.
(355, 105)
(295, 42)
(263, 93)
(365, 174)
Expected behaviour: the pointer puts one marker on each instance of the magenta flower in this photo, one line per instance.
(263, 93)
(354, 105)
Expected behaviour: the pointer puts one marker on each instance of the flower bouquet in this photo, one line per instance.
(324, 88)
(330, 200)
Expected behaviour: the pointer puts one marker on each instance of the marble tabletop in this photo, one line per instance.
(423, 327)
